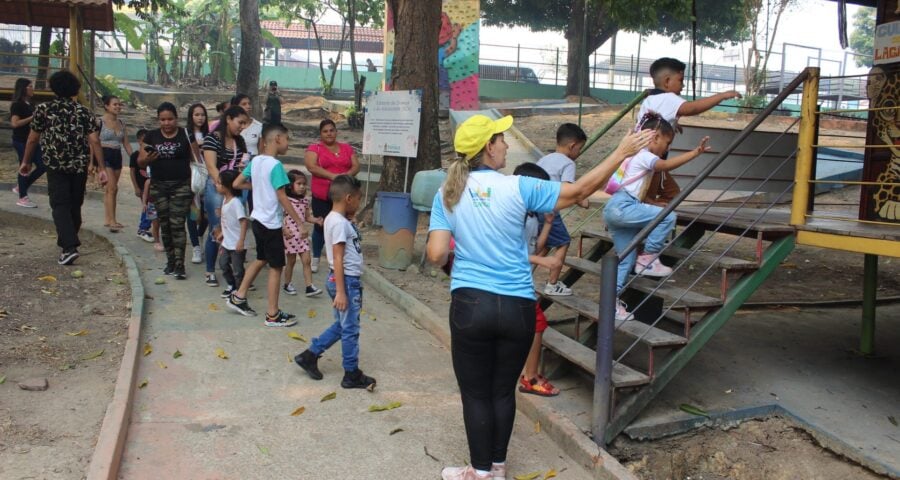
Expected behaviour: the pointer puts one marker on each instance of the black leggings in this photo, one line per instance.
(491, 335)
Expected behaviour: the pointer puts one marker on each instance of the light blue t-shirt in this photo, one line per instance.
(268, 176)
(488, 226)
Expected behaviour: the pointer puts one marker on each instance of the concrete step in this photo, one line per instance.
(586, 359)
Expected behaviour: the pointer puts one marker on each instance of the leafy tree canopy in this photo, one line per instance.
(862, 39)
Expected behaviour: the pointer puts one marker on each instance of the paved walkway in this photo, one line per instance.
(202, 417)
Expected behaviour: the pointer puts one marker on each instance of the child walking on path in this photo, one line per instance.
(298, 241)
(560, 166)
(139, 179)
(344, 252)
(270, 204)
(232, 233)
(626, 214)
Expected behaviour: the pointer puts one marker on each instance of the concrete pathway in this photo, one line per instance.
(203, 417)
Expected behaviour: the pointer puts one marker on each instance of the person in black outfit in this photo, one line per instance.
(21, 111)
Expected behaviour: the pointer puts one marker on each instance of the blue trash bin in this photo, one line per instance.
(399, 221)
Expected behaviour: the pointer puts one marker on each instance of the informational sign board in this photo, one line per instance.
(887, 43)
(392, 123)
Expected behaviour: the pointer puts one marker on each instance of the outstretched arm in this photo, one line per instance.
(699, 106)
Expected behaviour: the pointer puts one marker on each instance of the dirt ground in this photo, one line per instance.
(772, 449)
(70, 331)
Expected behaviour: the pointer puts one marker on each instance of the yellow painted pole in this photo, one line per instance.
(805, 141)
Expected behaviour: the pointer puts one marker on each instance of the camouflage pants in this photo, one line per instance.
(172, 199)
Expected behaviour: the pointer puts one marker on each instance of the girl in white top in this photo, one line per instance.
(626, 214)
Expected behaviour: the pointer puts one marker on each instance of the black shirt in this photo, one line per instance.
(136, 170)
(21, 109)
(224, 156)
(175, 157)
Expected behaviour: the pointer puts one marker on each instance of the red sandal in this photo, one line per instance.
(538, 386)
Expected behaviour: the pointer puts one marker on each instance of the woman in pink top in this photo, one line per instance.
(326, 160)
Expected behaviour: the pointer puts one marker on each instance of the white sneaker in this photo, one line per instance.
(622, 315)
(557, 289)
(314, 264)
(25, 202)
(648, 265)
(197, 255)
(289, 288)
(462, 473)
(15, 190)
(145, 236)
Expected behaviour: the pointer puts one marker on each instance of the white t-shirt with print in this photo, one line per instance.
(251, 136)
(640, 164)
(560, 167)
(232, 213)
(532, 229)
(339, 230)
(665, 104)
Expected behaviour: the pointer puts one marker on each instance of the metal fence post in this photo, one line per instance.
(518, 57)
(556, 70)
(602, 407)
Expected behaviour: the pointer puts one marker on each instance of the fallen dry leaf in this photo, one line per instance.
(330, 396)
(213, 307)
(221, 354)
(92, 355)
(162, 365)
(537, 427)
(263, 450)
(2, 379)
(382, 408)
(177, 354)
(550, 474)
(47, 278)
(528, 476)
(299, 411)
(396, 430)
(27, 328)
(143, 383)
(297, 336)
(311, 313)
(79, 333)
(148, 349)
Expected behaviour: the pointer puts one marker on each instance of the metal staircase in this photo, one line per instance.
(720, 255)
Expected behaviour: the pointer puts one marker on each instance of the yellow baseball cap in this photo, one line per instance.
(473, 134)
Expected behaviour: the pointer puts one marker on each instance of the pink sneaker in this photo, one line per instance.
(648, 265)
(463, 473)
(15, 190)
(498, 471)
(25, 202)
(622, 315)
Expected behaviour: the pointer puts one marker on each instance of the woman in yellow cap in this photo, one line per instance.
(492, 310)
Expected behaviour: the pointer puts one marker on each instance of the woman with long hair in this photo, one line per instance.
(168, 153)
(223, 149)
(197, 127)
(492, 309)
(21, 112)
(113, 137)
(325, 160)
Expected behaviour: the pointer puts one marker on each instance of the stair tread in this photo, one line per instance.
(677, 316)
(669, 293)
(586, 359)
(680, 253)
(649, 335)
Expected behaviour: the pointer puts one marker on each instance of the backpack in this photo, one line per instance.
(617, 180)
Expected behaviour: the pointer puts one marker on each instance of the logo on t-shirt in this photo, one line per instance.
(480, 198)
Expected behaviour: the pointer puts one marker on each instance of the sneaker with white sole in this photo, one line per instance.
(314, 264)
(196, 255)
(15, 190)
(211, 280)
(498, 471)
(26, 203)
(463, 473)
(228, 291)
(240, 305)
(557, 289)
(67, 258)
(289, 288)
(312, 291)
(622, 314)
(648, 265)
(145, 236)
(281, 319)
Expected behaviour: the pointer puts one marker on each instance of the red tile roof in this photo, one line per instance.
(328, 32)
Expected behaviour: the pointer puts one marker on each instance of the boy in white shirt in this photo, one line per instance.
(560, 166)
(270, 202)
(232, 233)
(626, 215)
(344, 252)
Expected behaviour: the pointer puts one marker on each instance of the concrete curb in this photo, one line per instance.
(110, 444)
(559, 428)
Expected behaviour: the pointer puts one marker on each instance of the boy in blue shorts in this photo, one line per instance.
(344, 252)
(560, 166)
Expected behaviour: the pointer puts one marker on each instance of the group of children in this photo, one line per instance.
(640, 193)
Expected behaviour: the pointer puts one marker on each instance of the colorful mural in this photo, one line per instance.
(457, 55)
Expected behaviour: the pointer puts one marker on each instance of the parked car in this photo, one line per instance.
(507, 73)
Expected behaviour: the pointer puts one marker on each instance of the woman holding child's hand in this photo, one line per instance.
(492, 311)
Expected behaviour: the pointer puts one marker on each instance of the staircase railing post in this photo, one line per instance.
(805, 142)
(602, 408)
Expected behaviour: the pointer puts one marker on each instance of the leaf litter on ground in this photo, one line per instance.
(47, 278)
(299, 411)
(148, 349)
(78, 333)
(144, 383)
(297, 336)
(177, 354)
(382, 408)
(330, 396)
(684, 407)
(221, 354)
(93, 355)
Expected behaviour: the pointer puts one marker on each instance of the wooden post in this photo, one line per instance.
(805, 140)
(76, 47)
(870, 292)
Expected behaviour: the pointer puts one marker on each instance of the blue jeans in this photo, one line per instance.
(346, 324)
(39, 168)
(626, 216)
(145, 223)
(212, 203)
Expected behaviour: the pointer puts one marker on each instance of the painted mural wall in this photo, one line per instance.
(882, 165)
(457, 55)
